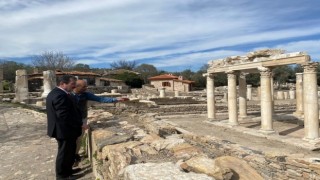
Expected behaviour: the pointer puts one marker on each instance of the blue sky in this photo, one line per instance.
(171, 35)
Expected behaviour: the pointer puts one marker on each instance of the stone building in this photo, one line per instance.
(171, 83)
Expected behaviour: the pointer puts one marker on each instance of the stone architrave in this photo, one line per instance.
(249, 92)
(49, 82)
(310, 99)
(242, 95)
(232, 98)
(210, 97)
(21, 85)
(299, 94)
(266, 99)
(162, 92)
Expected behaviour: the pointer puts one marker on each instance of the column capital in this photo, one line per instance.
(231, 74)
(310, 67)
(210, 75)
(243, 75)
(265, 72)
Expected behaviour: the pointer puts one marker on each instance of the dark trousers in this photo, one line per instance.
(65, 156)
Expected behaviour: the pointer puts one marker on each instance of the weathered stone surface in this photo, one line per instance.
(148, 139)
(206, 166)
(117, 157)
(113, 140)
(163, 171)
(168, 143)
(147, 149)
(185, 151)
(315, 167)
(238, 168)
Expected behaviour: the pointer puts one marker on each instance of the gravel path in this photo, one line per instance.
(26, 152)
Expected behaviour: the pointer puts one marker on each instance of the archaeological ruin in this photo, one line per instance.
(168, 131)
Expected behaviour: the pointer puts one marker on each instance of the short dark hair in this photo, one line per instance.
(66, 79)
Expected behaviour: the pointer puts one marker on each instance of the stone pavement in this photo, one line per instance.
(26, 152)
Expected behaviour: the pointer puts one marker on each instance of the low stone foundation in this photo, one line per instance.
(127, 147)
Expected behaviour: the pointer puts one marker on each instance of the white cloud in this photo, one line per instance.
(168, 32)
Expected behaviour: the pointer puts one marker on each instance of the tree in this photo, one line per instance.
(146, 71)
(10, 67)
(81, 67)
(51, 60)
(123, 64)
(131, 79)
(282, 74)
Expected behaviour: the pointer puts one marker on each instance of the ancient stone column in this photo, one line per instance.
(49, 82)
(242, 95)
(266, 100)
(292, 94)
(232, 98)
(176, 93)
(280, 95)
(97, 81)
(162, 92)
(299, 94)
(310, 99)
(210, 97)
(286, 95)
(249, 92)
(258, 92)
(21, 85)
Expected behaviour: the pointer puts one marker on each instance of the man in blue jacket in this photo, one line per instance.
(82, 97)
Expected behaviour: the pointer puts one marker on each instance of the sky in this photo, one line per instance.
(171, 35)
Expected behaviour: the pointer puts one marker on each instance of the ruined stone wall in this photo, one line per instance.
(119, 145)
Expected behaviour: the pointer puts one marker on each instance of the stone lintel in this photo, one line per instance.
(301, 59)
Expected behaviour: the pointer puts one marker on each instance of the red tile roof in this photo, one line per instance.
(164, 77)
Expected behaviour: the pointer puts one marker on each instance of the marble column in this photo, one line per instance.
(232, 98)
(242, 95)
(292, 94)
(280, 95)
(49, 82)
(21, 85)
(299, 94)
(249, 92)
(266, 100)
(310, 101)
(210, 97)
(162, 92)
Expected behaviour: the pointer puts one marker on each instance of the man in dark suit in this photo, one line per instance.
(64, 124)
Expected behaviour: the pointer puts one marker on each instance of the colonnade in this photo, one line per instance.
(306, 96)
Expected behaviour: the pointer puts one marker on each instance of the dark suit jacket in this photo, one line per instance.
(64, 118)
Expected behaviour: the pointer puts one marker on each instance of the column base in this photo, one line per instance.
(211, 119)
(267, 131)
(312, 140)
(233, 123)
(298, 113)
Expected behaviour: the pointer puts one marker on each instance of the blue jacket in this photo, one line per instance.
(82, 101)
